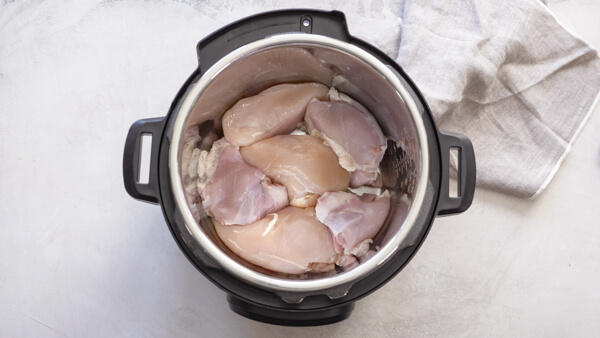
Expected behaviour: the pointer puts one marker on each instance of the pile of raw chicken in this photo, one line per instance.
(280, 185)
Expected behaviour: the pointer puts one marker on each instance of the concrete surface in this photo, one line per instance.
(80, 258)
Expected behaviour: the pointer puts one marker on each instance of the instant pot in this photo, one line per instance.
(263, 50)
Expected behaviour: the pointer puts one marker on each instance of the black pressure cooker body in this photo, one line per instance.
(288, 306)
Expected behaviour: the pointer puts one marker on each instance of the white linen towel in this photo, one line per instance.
(507, 75)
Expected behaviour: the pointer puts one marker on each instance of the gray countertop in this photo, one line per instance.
(79, 257)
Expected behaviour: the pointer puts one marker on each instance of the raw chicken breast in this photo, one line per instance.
(258, 72)
(302, 163)
(353, 220)
(238, 193)
(274, 111)
(290, 241)
(352, 133)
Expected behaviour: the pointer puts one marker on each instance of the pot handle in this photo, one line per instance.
(132, 155)
(448, 205)
(256, 27)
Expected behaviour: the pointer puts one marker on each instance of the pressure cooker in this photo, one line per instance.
(240, 60)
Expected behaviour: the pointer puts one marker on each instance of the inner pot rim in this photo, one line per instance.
(223, 259)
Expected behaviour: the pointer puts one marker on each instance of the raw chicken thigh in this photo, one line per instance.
(237, 193)
(352, 133)
(290, 241)
(302, 163)
(274, 111)
(353, 220)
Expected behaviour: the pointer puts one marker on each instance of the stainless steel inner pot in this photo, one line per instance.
(291, 58)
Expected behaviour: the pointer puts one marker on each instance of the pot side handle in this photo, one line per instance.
(132, 157)
(222, 42)
(466, 175)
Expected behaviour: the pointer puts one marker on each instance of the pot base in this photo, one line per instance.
(290, 317)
